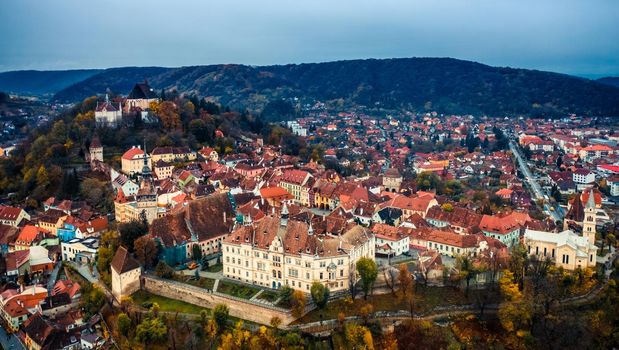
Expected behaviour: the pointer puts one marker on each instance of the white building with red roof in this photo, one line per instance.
(132, 161)
(106, 114)
(12, 216)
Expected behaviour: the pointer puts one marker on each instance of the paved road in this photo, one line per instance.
(10, 342)
(538, 193)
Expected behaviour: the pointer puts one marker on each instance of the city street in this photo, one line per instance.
(538, 193)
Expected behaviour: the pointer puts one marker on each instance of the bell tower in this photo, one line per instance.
(589, 222)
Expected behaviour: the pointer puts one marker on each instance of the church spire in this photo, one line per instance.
(145, 168)
(284, 215)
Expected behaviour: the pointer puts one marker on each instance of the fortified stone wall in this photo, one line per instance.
(198, 296)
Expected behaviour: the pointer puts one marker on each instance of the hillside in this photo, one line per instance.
(442, 84)
(612, 81)
(40, 83)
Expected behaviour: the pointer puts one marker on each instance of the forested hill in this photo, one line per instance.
(34, 82)
(419, 84)
(612, 81)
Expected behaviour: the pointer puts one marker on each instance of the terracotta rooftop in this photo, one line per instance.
(123, 261)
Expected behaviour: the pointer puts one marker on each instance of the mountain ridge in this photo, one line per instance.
(418, 84)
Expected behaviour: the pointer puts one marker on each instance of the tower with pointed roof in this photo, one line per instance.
(146, 198)
(126, 272)
(590, 219)
(96, 150)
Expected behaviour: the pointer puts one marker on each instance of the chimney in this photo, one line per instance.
(225, 217)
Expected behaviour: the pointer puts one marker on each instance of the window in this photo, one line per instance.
(544, 251)
(553, 252)
(323, 264)
(341, 273)
(321, 275)
(293, 272)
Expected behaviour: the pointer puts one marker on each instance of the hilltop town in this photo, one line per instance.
(153, 219)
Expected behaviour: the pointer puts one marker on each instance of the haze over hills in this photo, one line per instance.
(419, 84)
(35, 82)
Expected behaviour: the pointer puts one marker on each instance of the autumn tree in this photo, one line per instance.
(405, 279)
(368, 271)
(390, 274)
(298, 302)
(514, 311)
(146, 251)
(169, 115)
(358, 337)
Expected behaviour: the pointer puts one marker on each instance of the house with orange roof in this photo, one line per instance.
(73, 289)
(504, 228)
(132, 161)
(275, 195)
(505, 194)
(411, 205)
(209, 154)
(16, 309)
(29, 236)
(593, 152)
(453, 244)
(390, 240)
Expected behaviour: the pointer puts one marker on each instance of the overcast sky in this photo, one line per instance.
(568, 36)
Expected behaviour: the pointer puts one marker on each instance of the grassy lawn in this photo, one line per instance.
(145, 299)
(215, 268)
(427, 299)
(237, 290)
(203, 282)
(268, 295)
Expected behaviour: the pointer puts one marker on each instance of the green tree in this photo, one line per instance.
(368, 271)
(610, 240)
(130, 232)
(196, 252)
(164, 270)
(220, 315)
(320, 296)
(151, 330)
(124, 324)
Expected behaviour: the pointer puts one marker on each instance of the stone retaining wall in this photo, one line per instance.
(240, 308)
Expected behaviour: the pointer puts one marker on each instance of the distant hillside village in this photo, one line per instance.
(427, 190)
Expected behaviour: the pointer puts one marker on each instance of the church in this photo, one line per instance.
(106, 114)
(568, 249)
